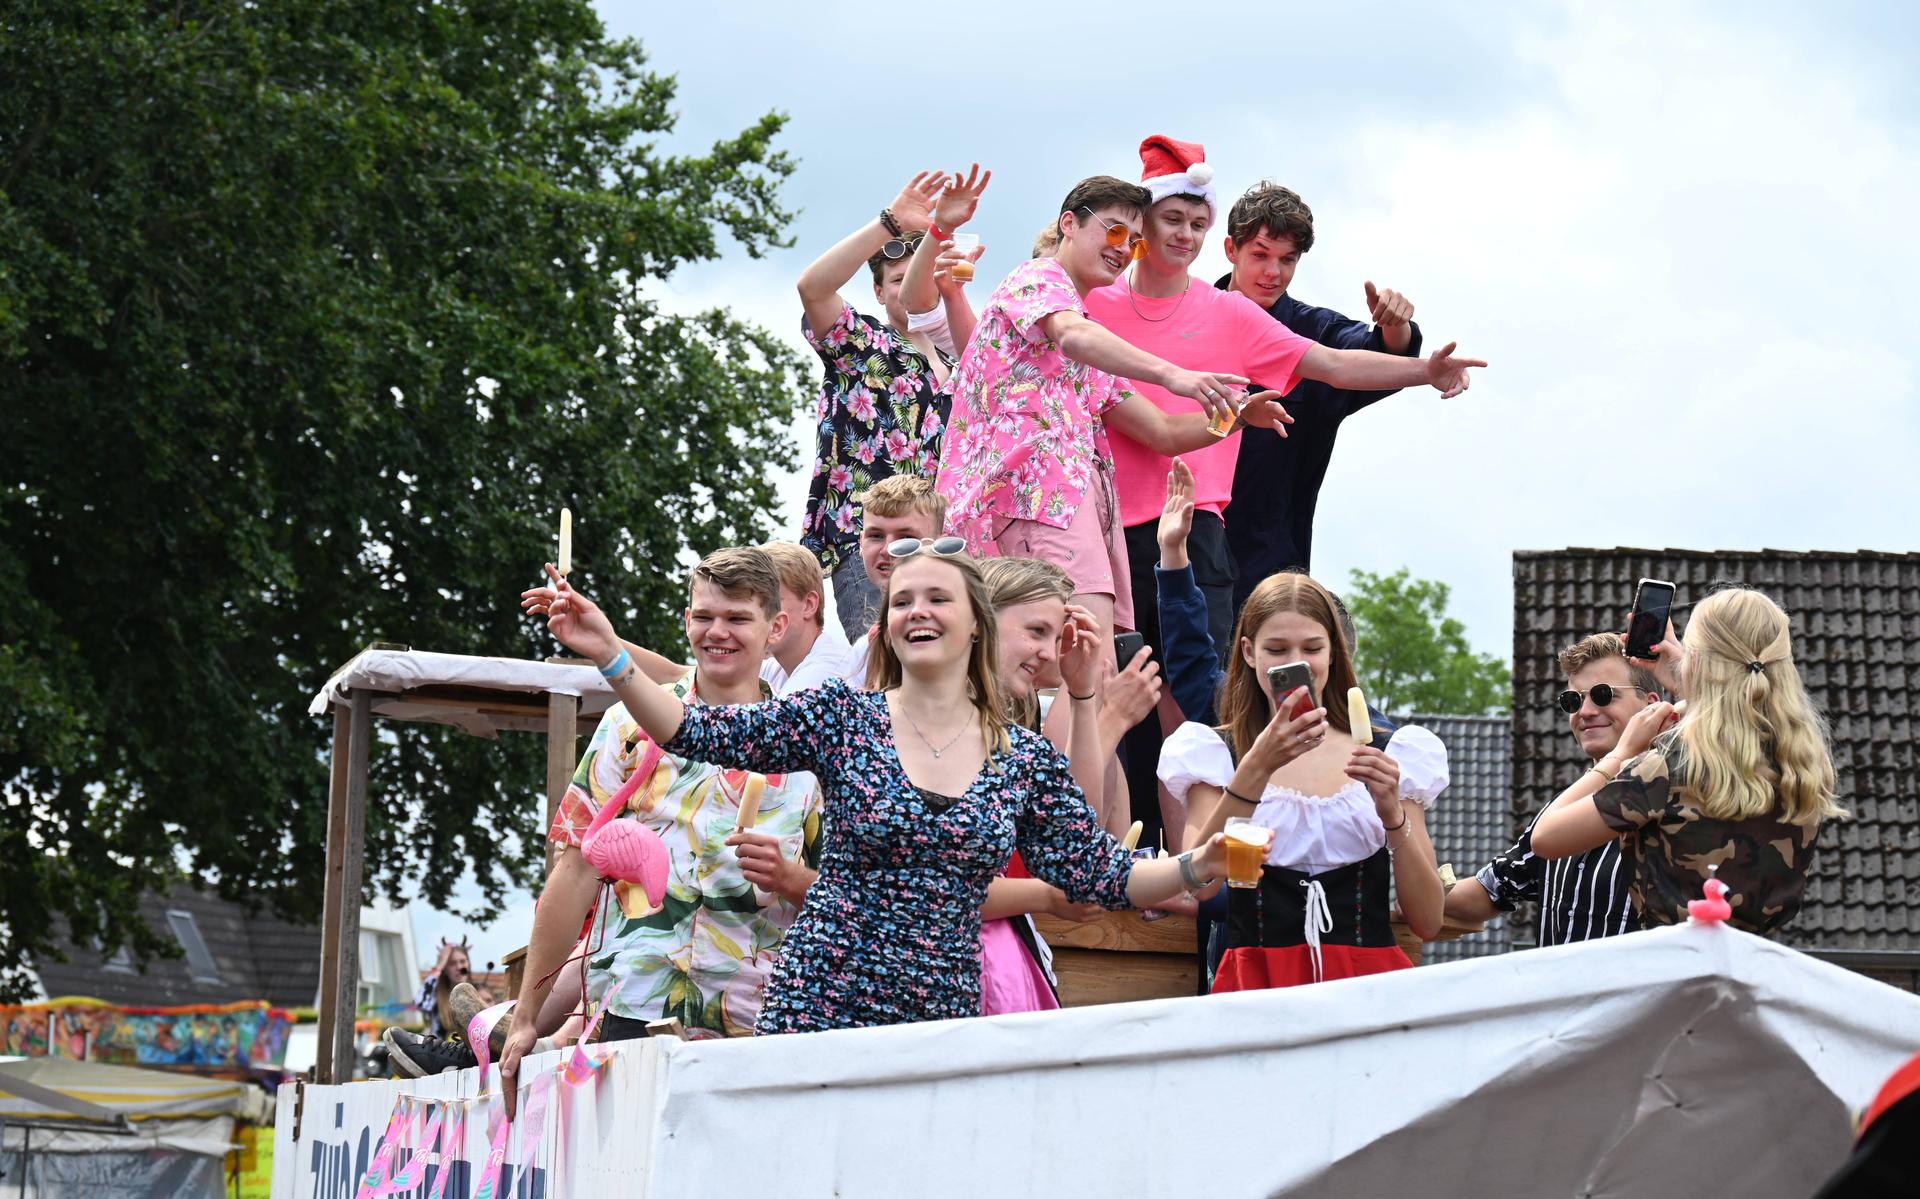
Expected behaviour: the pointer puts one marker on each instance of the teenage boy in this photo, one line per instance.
(808, 653)
(893, 509)
(1587, 895)
(1162, 309)
(884, 397)
(1026, 469)
(1269, 523)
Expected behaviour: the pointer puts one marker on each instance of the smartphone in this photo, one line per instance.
(1647, 624)
(1283, 679)
(1126, 645)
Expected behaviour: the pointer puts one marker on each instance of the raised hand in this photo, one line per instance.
(913, 207)
(573, 619)
(1447, 373)
(1214, 392)
(1176, 517)
(1081, 651)
(956, 204)
(1388, 308)
(1645, 725)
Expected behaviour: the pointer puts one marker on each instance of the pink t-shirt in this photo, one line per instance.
(1206, 330)
(1024, 437)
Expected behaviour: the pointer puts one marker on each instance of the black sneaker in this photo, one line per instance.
(418, 1057)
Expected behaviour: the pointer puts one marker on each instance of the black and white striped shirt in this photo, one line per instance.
(1582, 897)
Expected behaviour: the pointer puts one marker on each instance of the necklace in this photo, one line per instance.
(1154, 320)
(937, 749)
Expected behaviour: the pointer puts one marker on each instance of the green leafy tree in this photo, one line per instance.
(1413, 656)
(313, 314)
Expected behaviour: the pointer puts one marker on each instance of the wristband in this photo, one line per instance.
(1232, 794)
(937, 233)
(1394, 828)
(620, 662)
(1082, 698)
(886, 220)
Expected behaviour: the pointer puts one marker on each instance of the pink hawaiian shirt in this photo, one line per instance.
(1025, 436)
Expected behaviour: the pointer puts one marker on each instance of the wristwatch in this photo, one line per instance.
(1187, 875)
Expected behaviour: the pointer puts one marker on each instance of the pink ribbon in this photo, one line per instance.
(452, 1144)
(480, 1032)
(375, 1182)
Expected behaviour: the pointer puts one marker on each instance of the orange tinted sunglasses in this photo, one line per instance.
(1117, 234)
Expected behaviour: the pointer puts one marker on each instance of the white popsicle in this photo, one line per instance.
(1358, 722)
(566, 541)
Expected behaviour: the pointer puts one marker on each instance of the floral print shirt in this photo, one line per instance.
(891, 929)
(1026, 434)
(882, 411)
(704, 955)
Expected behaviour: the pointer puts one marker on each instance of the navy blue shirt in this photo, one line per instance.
(1276, 482)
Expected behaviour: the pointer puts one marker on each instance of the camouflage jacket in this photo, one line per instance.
(1671, 842)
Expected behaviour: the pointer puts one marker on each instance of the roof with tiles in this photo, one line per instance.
(1856, 639)
(1472, 819)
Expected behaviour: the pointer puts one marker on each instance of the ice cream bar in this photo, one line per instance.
(1358, 722)
(750, 802)
(1447, 879)
(1133, 836)
(566, 541)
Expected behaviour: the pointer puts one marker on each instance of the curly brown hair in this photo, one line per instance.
(1279, 211)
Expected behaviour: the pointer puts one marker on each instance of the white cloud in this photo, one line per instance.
(1673, 234)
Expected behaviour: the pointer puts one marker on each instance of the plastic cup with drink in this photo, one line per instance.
(1247, 844)
(964, 244)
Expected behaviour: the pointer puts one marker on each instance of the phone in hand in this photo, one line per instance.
(1283, 679)
(1647, 623)
(1126, 645)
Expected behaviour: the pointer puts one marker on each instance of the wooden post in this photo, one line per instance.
(563, 715)
(353, 874)
(323, 1071)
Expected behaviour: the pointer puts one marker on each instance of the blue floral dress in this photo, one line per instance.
(890, 932)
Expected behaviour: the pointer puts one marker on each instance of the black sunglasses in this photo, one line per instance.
(1602, 693)
(946, 547)
(900, 247)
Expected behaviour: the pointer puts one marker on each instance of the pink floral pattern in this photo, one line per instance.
(881, 412)
(1025, 435)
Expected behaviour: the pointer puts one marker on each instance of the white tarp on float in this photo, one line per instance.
(1683, 1060)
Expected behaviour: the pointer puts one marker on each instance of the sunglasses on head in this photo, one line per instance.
(946, 547)
(1118, 234)
(1602, 693)
(899, 247)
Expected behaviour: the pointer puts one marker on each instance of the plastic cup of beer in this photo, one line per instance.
(965, 244)
(1221, 423)
(1246, 851)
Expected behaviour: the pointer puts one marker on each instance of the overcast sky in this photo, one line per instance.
(1672, 229)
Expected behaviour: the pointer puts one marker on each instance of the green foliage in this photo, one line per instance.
(259, 260)
(1413, 656)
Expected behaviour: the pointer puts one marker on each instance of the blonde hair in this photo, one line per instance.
(983, 662)
(1015, 581)
(1245, 707)
(903, 495)
(1599, 647)
(1048, 241)
(1752, 742)
(799, 573)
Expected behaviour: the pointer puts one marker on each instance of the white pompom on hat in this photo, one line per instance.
(1176, 168)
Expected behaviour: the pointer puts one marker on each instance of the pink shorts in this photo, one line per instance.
(1092, 549)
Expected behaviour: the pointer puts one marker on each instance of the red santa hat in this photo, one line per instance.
(1174, 168)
